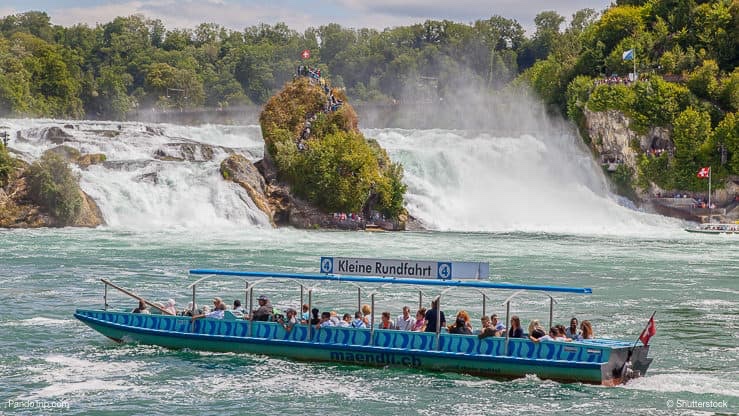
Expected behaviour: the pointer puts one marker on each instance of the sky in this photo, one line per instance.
(297, 14)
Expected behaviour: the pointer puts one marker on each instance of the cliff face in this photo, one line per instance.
(612, 138)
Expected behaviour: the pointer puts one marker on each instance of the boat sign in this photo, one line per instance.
(419, 269)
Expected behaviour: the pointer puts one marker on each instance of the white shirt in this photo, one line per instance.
(216, 314)
(404, 324)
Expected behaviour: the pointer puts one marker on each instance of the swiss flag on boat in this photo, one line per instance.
(648, 332)
(305, 54)
(704, 172)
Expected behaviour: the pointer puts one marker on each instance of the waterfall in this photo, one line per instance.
(155, 176)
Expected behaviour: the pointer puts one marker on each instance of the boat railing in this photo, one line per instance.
(107, 283)
(388, 281)
(507, 304)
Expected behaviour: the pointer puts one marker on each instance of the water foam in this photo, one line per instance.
(475, 181)
(686, 382)
(135, 189)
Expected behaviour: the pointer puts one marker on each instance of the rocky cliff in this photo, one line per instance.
(613, 140)
(615, 143)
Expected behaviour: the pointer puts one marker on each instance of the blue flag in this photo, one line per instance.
(628, 55)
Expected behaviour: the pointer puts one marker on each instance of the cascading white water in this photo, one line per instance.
(475, 181)
(135, 189)
(538, 180)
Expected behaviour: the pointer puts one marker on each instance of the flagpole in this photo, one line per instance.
(631, 350)
(709, 194)
(642, 332)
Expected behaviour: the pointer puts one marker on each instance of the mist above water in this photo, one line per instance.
(502, 164)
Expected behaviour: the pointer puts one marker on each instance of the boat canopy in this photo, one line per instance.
(386, 280)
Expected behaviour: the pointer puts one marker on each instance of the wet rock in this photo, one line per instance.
(90, 159)
(151, 177)
(154, 130)
(70, 154)
(239, 169)
(191, 152)
(55, 135)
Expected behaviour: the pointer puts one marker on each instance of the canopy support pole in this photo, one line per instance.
(508, 322)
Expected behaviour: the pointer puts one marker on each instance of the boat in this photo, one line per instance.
(597, 361)
(715, 228)
(711, 227)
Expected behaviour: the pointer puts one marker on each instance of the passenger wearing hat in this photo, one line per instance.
(169, 307)
(291, 319)
(218, 310)
(264, 312)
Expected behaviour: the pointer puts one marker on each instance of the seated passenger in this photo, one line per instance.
(535, 330)
(386, 322)
(264, 312)
(516, 331)
(552, 336)
(346, 321)
(305, 315)
(315, 320)
(170, 308)
(358, 322)
(367, 315)
(190, 310)
(237, 308)
(404, 321)
(487, 329)
(142, 308)
(217, 313)
(572, 331)
(461, 324)
(335, 318)
(290, 321)
(418, 325)
(587, 330)
(460, 327)
(561, 333)
(325, 321)
(431, 315)
(499, 326)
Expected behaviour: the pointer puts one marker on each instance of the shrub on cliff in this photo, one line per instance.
(6, 165)
(337, 169)
(53, 186)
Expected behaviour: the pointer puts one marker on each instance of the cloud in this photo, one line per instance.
(299, 14)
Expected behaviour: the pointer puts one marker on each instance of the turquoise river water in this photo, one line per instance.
(47, 358)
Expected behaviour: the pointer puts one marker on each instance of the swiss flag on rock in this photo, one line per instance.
(305, 54)
(704, 172)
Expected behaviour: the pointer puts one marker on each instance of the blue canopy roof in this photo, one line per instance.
(382, 280)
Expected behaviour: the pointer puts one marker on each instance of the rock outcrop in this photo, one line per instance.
(240, 170)
(18, 211)
(612, 137)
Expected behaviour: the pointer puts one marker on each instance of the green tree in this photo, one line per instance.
(52, 185)
(691, 130)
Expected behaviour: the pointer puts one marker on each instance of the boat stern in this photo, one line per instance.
(622, 366)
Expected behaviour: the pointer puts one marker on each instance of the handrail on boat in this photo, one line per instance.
(507, 304)
(385, 281)
(131, 294)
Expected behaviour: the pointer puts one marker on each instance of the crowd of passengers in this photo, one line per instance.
(425, 320)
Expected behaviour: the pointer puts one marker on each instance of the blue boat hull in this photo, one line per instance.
(598, 361)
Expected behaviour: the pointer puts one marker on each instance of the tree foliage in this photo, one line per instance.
(337, 169)
(52, 185)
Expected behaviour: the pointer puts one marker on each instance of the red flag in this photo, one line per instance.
(703, 173)
(648, 332)
(305, 54)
